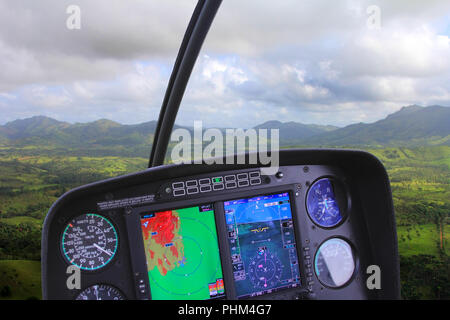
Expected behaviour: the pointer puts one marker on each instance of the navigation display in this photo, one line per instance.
(182, 254)
(262, 244)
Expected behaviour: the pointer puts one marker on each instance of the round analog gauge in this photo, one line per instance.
(100, 292)
(334, 263)
(89, 241)
(322, 203)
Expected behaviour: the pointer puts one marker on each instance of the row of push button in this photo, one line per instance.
(308, 265)
(181, 188)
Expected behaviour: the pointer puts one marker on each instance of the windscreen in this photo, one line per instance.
(262, 244)
(325, 74)
(182, 254)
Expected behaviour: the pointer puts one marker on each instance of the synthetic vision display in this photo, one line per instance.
(262, 244)
(182, 254)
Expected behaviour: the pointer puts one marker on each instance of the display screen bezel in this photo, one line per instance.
(136, 244)
(296, 237)
(212, 204)
(142, 214)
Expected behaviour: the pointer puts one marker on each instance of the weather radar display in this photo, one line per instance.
(182, 254)
(262, 244)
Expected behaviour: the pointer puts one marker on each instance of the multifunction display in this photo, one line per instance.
(262, 244)
(182, 254)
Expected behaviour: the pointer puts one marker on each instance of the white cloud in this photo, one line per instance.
(409, 53)
(306, 61)
(41, 96)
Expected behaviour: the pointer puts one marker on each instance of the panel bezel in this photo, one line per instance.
(297, 236)
(136, 241)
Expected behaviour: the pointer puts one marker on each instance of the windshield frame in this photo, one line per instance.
(195, 35)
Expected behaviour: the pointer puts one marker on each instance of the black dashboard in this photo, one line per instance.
(309, 231)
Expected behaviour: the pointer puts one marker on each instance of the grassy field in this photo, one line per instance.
(22, 277)
(420, 239)
(31, 179)
(15, 221)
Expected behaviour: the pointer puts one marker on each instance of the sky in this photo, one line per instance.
(322, 62)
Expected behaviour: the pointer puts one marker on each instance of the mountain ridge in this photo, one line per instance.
(411, 125)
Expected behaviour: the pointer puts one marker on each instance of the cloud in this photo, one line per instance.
(307, 61)
(109, 28)
(113, 35)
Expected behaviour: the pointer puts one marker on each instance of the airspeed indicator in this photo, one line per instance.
(89, 241)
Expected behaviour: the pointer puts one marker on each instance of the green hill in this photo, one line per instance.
(291, 132)
(411, 126)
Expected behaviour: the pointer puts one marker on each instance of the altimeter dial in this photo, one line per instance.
(100, 292)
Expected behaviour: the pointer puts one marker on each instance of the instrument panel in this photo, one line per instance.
(302, 233)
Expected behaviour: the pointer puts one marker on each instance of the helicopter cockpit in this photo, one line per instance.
(273, 224)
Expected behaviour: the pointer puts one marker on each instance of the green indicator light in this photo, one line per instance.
(217, 180)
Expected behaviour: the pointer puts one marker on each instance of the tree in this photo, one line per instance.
(5, 291)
